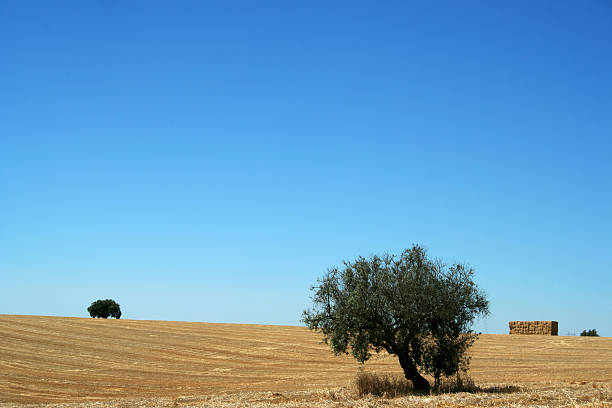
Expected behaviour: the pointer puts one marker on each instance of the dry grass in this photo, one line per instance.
(368, 383)
(70, 362)
(389, 386)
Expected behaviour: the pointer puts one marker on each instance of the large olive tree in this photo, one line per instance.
(420, 310)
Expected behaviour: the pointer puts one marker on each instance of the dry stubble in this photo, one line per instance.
(76, 362)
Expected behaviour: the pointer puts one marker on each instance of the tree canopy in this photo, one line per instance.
(104, 309)
(420, 310)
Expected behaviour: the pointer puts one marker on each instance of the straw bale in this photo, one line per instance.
(547, 327)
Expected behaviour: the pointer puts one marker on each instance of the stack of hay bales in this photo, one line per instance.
(549, 328)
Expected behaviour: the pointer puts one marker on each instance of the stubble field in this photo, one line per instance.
(75, 362)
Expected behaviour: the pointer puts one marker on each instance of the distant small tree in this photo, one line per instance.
(591, 332)
(104, 309)
(420, 310)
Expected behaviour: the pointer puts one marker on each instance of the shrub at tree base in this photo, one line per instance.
(104, 309)
(419, 309)
(373, 384)
(367, 383)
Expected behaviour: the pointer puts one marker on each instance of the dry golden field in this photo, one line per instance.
(75, 362)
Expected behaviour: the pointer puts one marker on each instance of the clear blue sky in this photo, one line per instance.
(207, 161)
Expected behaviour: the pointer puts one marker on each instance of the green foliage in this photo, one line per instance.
(104, 309)
(591, 332)
(418, 309)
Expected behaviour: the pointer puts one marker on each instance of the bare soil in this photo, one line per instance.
(76, 362)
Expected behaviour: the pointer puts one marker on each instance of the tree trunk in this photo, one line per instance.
(412, 373)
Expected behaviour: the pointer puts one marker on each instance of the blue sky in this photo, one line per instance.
(208, 161)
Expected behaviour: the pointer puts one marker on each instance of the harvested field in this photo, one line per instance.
(91, 362)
